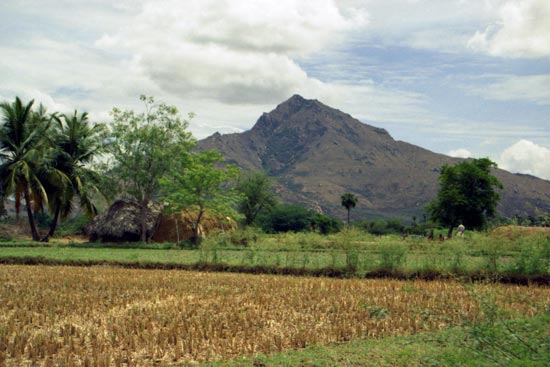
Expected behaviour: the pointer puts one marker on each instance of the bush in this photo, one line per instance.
(294, 218)
(286, 218)
(383, 227)
(5, 235)
(72, 226)
(392, 256)
(533, 259)
(325, 224)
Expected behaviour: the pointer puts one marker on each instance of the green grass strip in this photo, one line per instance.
(519, 343)
(146, 262)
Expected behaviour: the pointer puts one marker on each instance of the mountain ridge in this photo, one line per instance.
(315, 153)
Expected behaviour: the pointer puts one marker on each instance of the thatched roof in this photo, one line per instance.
(122, 222)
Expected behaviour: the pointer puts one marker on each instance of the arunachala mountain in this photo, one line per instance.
(316, 153)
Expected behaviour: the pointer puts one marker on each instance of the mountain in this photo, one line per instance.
(316, 153)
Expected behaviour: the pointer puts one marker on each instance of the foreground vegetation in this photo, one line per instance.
(521, 342)
(108, 316)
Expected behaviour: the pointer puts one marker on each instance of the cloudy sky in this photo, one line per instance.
(459, 77)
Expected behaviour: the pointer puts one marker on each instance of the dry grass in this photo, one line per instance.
(123, 317)
(515, 232)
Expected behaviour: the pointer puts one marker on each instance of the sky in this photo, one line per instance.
(467, 78)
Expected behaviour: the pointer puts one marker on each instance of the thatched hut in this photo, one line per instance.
(122, 222)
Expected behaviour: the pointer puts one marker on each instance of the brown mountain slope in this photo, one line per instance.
(316, 153)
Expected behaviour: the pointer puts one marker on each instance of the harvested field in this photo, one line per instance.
(103, 316)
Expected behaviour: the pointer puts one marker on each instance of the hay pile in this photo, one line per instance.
(515, 232)
(178, 227)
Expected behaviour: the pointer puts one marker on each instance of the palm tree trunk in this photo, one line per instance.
(348, 215)
(17, 208)
(53, 225)
(27, 196)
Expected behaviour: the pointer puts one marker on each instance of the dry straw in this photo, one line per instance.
(123, 317)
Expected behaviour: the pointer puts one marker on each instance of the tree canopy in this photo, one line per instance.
(145, 147)
(202, 185)
(75, 142)
(468, 194)
(349, 201)
(22, 139)
(257, 194)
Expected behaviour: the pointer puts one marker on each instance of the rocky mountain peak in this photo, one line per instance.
(316, 153)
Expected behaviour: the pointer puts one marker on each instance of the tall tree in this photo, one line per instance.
(203, 186)
(467, 194)
(349, 201)
(21, 137)
(76, 142)
(257, 194)
(145, 147)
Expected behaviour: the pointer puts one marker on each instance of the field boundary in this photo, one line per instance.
(329, 272)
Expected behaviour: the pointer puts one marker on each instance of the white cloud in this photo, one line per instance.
(459, 153)
(531, 88)
(522, 30)
(526, 157)
(442, 25)
(229, 60)
(231, 51)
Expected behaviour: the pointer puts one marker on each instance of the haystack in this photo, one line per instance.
(178, 227)
(515, 232)
(122, 222)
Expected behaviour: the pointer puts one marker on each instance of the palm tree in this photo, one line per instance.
(76, 143)
(349, 201)
(21, 135)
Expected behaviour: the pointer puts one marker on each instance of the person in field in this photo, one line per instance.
(460, 230)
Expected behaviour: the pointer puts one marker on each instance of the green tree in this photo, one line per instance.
(257, 194)
(349, 201)
(203, 185)
(22, 136)
(286, 218)
(467, 194)
(75, 144)
(325, 224)
(145, 147)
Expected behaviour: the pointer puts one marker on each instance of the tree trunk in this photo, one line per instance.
(196, 227)
(17, 208)
(142, 220)
(53, 225)
(27, 196)
(348, 215)
(450, 232)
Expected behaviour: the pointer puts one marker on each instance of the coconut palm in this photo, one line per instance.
(76, 143)
(21, 135)
(349, 201)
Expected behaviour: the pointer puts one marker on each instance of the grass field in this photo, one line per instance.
(500, 254)
(102, 316)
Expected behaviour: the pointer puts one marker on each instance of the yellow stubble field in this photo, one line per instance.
(102, 316)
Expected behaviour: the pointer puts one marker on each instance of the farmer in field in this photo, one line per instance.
(460, 230)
